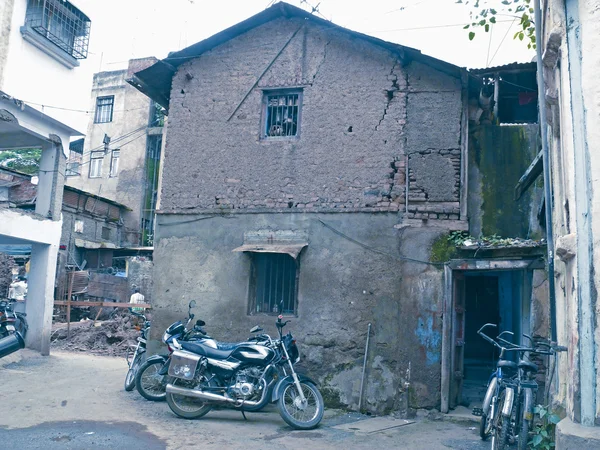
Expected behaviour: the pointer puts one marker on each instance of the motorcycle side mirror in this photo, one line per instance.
(200, 323)
(192, 304)
(256, 329)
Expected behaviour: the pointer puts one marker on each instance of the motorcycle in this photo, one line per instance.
(11, 321)
(247, 376)
(150, 377)
(134, 358)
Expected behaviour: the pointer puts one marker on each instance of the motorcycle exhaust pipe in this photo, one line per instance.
(207, 396)
(11, 344)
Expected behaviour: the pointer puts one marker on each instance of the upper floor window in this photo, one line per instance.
(104, 109)
(96, 159)
(60, 23)
(281, 114)
(114, 163)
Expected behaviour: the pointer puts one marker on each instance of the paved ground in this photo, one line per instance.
(77, 401)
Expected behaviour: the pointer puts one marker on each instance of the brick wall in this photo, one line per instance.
(364, 110)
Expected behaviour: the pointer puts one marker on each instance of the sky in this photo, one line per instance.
(124, 29)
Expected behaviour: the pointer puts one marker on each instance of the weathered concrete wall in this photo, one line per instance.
(362, 113)
(498, 156)
(342, 287)
(6, 14)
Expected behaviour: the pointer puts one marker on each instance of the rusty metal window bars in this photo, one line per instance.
(62, 24)
(104, 109)
(275, 279)
(282, 114)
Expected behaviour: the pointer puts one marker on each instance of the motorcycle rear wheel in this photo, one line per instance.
(149, 383)
(186, 407)
(296, 414)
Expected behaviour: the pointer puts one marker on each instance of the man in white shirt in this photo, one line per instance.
(136, 298)
(18, 289)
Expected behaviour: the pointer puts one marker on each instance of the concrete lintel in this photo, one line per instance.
(491, 264)
(29, 227)
(451, 225)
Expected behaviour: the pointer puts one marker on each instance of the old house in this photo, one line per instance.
(316, 172)
(569, 40)
(49, 37)
(119, 158)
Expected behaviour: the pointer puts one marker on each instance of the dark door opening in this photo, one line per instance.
(482, 305)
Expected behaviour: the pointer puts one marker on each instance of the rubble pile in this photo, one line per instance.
(109, 338)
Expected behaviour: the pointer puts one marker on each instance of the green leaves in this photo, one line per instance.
(544, 428)
(471, 35)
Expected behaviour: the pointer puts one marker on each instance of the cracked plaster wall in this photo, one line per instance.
(362, 113)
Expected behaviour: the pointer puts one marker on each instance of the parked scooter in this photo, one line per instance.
(12, 321)
(247, 376)
(135, 358)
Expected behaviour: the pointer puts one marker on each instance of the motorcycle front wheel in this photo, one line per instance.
(149, 383)
(183, 406)
(130, 377)
(301, 415)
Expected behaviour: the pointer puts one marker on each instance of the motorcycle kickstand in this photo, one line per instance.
(244, 414)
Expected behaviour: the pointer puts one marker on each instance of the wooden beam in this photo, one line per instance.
(103, 304)
(533, 171)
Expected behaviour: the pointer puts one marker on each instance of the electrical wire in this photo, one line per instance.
(502, 41)
(375, 250)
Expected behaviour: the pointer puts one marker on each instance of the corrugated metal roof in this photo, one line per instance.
(506, 67)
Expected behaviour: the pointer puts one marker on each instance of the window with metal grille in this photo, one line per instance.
(96, 159)
(105, 233)
(114, 163)
(281, 114)
(62, 24)
(104, 109)
(274, 284)
(73, 169)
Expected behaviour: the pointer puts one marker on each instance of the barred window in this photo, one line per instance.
(274, 284)
(114, 163)
(104, 109)
(281, 114)
(62, 24)
(96, 159)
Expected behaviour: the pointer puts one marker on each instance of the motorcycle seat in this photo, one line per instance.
(204, 350)
(227, 345)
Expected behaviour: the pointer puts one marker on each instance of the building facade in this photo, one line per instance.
(570, 39)
(120, 156)
(317, 172)
(50, 38)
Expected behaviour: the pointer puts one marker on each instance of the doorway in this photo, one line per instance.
(476, 297)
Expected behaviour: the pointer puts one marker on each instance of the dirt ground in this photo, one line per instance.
(76, 401)
(108, 338)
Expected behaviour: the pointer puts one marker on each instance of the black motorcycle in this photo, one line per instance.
(150, 378)
(247, 376)
(11, 321)
(135, 356)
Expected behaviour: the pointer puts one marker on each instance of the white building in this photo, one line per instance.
(41, 45)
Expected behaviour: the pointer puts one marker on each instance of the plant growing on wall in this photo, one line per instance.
(544, 428)
(485, 13)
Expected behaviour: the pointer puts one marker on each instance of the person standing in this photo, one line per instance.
(136, 298)
(18, 289)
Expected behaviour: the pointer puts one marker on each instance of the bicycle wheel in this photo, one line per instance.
(500, 425)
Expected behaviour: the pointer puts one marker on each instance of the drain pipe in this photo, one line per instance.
(547, 175)
(362, 379)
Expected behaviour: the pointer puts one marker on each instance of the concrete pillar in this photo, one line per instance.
(40, 296)
(51, 180)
